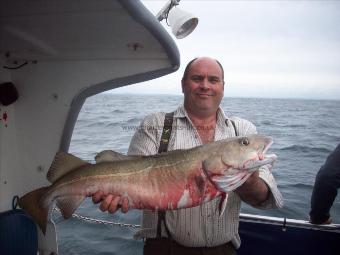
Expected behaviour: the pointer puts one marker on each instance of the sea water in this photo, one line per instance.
(304, 131)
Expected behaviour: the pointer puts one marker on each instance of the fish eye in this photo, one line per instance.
(245, 141)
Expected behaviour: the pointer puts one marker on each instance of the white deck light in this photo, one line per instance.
(182, 23)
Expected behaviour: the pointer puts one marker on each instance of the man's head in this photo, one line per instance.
(185, 74)
(203, 86)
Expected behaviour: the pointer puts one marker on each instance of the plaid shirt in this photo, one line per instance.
(199, 226)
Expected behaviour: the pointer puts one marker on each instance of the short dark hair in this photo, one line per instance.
(186, 70)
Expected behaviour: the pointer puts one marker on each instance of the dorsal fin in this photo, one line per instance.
(63, 163)
(109, 156)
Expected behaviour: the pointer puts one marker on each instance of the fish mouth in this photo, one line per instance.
(256, 163)
(270, 142)
(234, 176)
(261, 159)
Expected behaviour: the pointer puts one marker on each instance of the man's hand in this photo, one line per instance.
(254, 190)
(110, 202)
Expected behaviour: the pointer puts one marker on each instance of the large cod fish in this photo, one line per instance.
(173, 180)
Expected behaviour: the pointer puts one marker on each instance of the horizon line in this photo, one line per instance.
(226, 96)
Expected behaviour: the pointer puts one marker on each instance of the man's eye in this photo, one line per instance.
(196, 78)
(214, 81)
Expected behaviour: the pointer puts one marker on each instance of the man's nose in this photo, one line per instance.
(204, 84)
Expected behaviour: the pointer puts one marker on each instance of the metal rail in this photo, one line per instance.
(284, 222)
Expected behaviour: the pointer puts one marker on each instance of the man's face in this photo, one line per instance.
(203, 87)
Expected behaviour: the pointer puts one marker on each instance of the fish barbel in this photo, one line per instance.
(169, 181)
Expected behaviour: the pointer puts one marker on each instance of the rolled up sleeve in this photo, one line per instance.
(275, 199)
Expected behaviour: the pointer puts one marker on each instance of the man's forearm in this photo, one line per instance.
(254, 191)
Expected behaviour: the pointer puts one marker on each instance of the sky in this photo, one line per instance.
(274, 49)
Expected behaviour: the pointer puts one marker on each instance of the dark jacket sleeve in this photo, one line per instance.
(327, 182)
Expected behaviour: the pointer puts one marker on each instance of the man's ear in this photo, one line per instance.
(182, 82)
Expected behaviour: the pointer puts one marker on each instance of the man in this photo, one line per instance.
(198, 230)
(326, 186)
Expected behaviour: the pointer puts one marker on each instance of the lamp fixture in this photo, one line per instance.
(182, 23)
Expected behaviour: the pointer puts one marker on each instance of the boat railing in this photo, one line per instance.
(286, 222)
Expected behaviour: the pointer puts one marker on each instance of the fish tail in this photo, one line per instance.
(31, 203)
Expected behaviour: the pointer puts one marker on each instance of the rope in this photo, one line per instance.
(105, 222)
(15, 202)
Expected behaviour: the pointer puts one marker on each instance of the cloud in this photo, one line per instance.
(288, 48)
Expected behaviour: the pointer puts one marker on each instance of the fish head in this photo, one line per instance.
(237, 159)
(248, 152)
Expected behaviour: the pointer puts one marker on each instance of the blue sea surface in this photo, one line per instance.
(304, 133)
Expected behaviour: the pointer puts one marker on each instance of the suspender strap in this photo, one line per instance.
(161, 218)
(163, 147)
(234, 125)
(167, 128)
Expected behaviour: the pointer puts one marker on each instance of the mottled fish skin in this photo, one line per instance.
(173, 180)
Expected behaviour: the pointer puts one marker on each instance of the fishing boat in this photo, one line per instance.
(54, 55)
